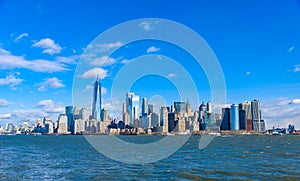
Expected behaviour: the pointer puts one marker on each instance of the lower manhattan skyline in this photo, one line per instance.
(257, 50)
(149, 90)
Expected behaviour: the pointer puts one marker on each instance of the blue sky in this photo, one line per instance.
(257, 44)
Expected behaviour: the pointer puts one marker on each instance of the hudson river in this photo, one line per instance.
(225, 158)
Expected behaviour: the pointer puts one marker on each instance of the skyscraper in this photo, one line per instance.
(96, 96)
(164, 118)
(132, 106)
(245, 115)
(70, 115)
(180, 107)
(255, 109)
(225, 124)
(234, 117)
(144, 106)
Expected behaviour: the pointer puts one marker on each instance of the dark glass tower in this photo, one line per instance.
(96, 95)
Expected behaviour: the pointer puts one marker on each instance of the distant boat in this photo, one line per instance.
(246, 133)
(215, 134)
(276, 133)
(37, 134)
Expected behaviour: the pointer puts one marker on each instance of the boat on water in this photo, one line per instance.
(36, 134)
(215, 134)
(276, 133)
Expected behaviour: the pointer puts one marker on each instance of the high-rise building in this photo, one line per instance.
(234, 117)
(70, 114)
(104, 115)
(202, 109)
(209, 109)
(164, 118)
(225, 124)
(96, 96)
(84, 114)
(132, 107)
(150, 108)
(245, 114)
(62, 124)
(255, 109)
(144, 106)
(180, 107)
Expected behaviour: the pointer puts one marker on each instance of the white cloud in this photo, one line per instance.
(50, 83)
(297, 68)
(125, 61)
(5, 116)
(291, 49)
(93, 73)
(281, 112)
(21, 36)
(9, 61)
(146, 25)
(4, 103)
(49, 106)
(68, 60)
(11, 80)
(152, 49)
(103, 61)
(247, 73)
(49, 46)
(171, 75)
(295, 101)
(107, 46)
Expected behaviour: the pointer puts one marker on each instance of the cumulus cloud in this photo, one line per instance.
(103, 61)
(281, 112)
(20, 37)
(4, 103)
(95, 72)
(291, 49)
(68, 60)
(9, 61)
(146, 25)
(50, 83)
(49, 46)
(11, 80)
(297, 68)
(171, 75)
(125, 61)
(152, 49)
(107, 46)
(49, 106)
(247, 73)
(295, 101)
(5, 116)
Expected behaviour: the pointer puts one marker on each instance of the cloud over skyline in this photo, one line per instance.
(49, 46)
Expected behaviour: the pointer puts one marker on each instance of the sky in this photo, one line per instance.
(257, 44)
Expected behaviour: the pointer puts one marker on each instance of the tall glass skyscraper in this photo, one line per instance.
(234, 117)
(96, 96)
(144, 106)
(225, 124)
(70, 115)
(132, 106)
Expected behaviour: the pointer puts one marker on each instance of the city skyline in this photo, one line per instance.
(258, 50)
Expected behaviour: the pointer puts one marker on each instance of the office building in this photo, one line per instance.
(144, 106)
(234, 117)
(225, 124)
(96, 97)
(255, 110)
(62, 124)
(180, 107)
(164, 118)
